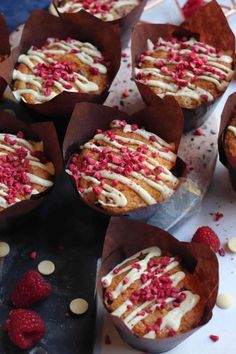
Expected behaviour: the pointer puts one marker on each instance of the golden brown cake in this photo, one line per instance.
(106, 10)
(154, 295)
(230, 139)
(24, 170)
(192, 72)
(124, 168)
(60, 65)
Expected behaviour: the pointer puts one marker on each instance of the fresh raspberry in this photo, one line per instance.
(206, 235)
(192, 5)
(25, 328)
(31, 289)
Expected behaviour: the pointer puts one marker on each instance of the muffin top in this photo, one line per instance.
(124, 168)
(24, 170)
(60, 65)
(192, 72)
(230, 138)
(153, 294)
(107, 10)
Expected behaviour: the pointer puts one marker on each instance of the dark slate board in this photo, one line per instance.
(62, 220)
(16, 12)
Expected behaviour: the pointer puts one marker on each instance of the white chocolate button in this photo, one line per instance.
(4, 249)
(224, 300)
(46, 267)
(232, 244)
(78, 306)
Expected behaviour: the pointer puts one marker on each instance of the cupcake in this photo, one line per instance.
(124, 168)
(67, 61)
(125, 14)
(120, 163)
(192, 72)
(156, 289)
(30, 165)
(187, 62)
(59, 65)
(227, 138)
(24, 169)
(154, 295)
(105, 10)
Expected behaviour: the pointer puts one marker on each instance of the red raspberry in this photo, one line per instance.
(192, 5)
(206, 235)
(30, 289)
(25, 328)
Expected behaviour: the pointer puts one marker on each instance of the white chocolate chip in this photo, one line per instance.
(224, 300)
(4, 249)
(232, 244)
(46, 267)
(78, 306)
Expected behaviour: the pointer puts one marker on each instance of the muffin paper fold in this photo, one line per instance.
(126, 23)
(45, 132)
(225, 158)
(124, 238)
(202, 25)
(4, 48)
(81, 26)
(88, 117)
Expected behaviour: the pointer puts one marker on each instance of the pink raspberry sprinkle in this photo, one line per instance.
(125, 93)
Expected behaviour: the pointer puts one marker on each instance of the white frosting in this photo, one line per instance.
(74, 6)
(191, 90)
(232, 129)
(86, 53)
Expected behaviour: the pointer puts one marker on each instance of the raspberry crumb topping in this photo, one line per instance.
(14, 170)
(214, 338)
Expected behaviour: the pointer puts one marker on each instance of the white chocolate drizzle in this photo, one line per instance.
(232, 129)
(139, 312)
(49, 55)
(105, 12)
(165, 184)
(10, 147)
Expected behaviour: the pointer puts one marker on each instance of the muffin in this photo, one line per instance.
(154, 295)
(60, 65)
(104, 9)
(24, 170)
(230, 139)
(124, 168)
(192, 72)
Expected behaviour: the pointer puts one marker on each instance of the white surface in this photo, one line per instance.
(220, 198)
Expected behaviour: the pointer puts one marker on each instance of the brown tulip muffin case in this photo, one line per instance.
(157, 290)
(61, 61)
(60, 65)
(188, 62)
